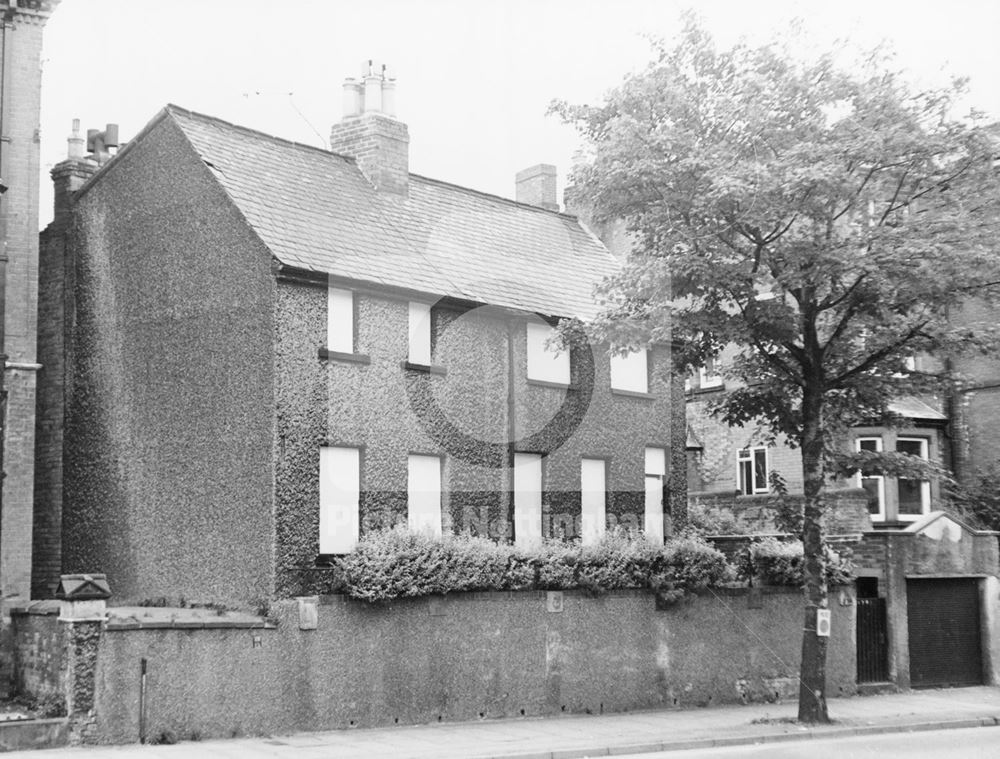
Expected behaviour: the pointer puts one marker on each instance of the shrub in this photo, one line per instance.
(397, 563)
(776, 562)
(616, 562)
(687, 564)
(711, 520)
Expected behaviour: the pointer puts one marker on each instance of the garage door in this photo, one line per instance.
(945, 648)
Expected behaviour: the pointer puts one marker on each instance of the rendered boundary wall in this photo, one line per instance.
(461, 657)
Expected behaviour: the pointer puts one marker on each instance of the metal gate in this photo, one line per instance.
(945, 645)
(873, 652)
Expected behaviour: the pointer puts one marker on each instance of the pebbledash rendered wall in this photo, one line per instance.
(199, 400)
(461, 415)
(169, 423)
(462, 657)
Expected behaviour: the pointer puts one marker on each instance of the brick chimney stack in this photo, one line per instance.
(70, 175)
(536, 186)
(370, 133)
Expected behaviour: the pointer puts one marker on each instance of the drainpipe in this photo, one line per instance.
(511, 424)
(4, 68)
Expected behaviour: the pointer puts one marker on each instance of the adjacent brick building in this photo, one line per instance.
(21, 26)
(269, 349)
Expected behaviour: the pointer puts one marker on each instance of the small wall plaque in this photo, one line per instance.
(554, 601)
(308, 614)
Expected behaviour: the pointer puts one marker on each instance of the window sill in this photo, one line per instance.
(633, 394)
(554, 385)
(425, 368)
(704, 390)
(347, 358)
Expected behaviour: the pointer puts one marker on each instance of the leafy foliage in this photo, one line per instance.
(400, 564)
(979, 501)
(821, 221)
(778, 562)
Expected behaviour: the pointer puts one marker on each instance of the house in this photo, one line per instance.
(728, 460)
(23, 23)
(262, 350)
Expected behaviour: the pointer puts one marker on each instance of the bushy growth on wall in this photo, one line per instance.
(776, 562)
(398, 563)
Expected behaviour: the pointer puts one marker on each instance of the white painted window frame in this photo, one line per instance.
(880, 479)
(925, 485)
(756, 488)
(708, 377)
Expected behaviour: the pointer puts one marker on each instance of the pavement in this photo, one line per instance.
(570, 737)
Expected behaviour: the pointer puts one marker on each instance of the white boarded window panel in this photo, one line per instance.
(656, 470)
(629, 372)
(527, 499)
(592, 500)
(423, 488)
(544, 363)
(420, 333)
(339, 496)
(340, 320)
(656, 461)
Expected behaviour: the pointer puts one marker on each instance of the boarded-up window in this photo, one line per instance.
(423, 490)
(527, 499)
(630, 372)
(340, 320)
(420, 333)
(656, 472)
(339, 498)
(544, 363)
(593, 500)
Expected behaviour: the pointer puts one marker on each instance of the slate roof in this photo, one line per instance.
(316, 211)
(914, 408)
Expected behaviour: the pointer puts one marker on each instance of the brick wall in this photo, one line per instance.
(381, 147)
(19, 224)
(846, 510)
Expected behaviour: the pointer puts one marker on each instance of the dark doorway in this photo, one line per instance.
(872, 635)
(945, 644)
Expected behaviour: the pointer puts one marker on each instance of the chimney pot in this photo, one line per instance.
(373, 93)
(389, 97)
(75, 142)
(352, 99)
(370, 134)
(536, 186)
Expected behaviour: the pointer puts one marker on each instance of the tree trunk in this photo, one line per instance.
(812, 675)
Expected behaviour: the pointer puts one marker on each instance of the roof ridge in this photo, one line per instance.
(494, 196)
(173, 107)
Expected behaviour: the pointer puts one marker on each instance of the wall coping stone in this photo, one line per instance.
(42, 608)
(165, 617)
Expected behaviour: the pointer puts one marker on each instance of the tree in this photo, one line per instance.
(823, 221)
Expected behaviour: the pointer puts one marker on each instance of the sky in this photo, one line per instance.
(474, 77)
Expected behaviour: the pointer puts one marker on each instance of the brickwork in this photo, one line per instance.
(55, 293)
(846, 510)
(19, 168)
(380, 145)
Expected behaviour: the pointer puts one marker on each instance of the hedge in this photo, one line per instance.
(397, 563)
